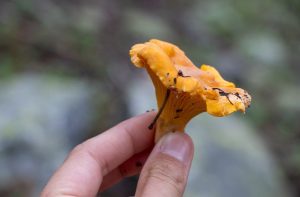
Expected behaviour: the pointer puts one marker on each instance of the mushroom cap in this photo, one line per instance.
(169, 67)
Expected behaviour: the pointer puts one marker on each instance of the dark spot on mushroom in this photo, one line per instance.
(180, 73)
(229, 99)
(237, 95)
(175, 80)
(176, 117)
(217, 89)
(148, 111)
(222, 93)
(179, 110)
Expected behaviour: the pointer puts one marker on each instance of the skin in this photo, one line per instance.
(125, 150)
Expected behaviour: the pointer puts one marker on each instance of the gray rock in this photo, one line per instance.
(41, 119)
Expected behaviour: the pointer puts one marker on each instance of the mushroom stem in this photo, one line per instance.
(160, 110)
(165, 126)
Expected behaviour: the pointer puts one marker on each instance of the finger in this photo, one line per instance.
(166, 170)
(82, 172)
(130, 167)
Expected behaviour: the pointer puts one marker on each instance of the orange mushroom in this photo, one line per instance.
(182, 89)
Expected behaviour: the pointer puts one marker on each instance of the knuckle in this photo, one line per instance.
(82, 150)
(76, 150)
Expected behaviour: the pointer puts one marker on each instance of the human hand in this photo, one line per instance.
(123, 151)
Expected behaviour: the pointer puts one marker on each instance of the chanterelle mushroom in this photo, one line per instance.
(184, 90)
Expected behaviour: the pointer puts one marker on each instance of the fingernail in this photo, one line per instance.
(175, 145)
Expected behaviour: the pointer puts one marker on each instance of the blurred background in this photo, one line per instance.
(65, 76)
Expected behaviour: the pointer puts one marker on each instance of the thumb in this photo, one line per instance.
(166, 171)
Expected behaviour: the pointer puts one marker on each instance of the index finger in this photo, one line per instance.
(82, 172)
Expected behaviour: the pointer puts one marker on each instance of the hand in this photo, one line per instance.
(123, 151)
